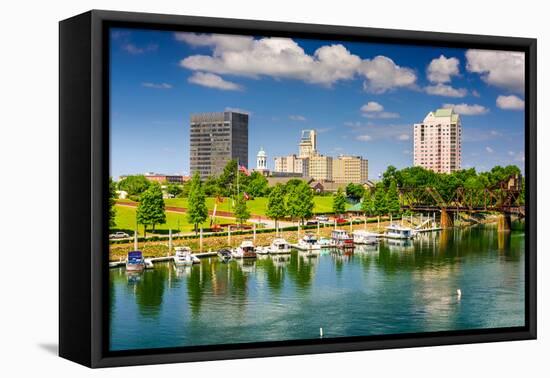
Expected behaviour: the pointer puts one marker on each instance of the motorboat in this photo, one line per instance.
(325, 243)
(245, 251)
(365, 237)
(341, 239)
(225, 255)
(278, 246)
(394, 231)
(184, 257)
(135, 262)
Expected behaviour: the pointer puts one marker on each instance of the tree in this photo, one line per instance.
(242, 214)
(355, 191)
(197, 211)
(174, 190)
(112, 202)
(211, 187)
(150, 210)
(380, 203)
(299, 201)
(257, 185)
(228, 178)
(276, 208)
(339, 202)
(367, 205)
(392, 199)
(134, 185)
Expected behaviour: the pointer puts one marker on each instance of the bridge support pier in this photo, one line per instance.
(446, 219)
(504, 222)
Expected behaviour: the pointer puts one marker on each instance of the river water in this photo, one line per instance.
(395, 287)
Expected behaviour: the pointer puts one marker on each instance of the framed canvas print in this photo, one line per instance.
(233, 188)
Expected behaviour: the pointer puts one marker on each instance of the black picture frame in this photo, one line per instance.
(84, 167)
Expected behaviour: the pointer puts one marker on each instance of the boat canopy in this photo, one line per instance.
(135, 256)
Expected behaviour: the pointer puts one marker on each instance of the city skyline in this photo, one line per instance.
(362, 98)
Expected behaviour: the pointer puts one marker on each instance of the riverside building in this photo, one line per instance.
(438, 141)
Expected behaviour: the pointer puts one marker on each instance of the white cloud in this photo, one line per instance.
(210, 80)
(475, 93)
(284, 58)
(404, 137)
(297, 117)
(511, 102)
(372, 109)
(465, 109)
(441, 70)
(364, 138)
(382, 74)
(489, 149)
(157, 85)
(445, 90)
(504, 69)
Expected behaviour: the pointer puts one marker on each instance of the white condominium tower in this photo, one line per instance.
(438, 141)
(308, 144)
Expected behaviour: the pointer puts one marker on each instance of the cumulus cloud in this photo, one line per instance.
(403, 137)
(489, 149)
(466, 109)
(367, 131)
(297, 117)
(284, 58)
(382, 74)
(210, 80)
(511, 102)
(156, 85)
(503, 69)
(441, 70)
(445, 90)
(372, 109)
(136, 50)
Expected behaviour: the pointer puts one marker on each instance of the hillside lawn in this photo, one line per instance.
(257, 206)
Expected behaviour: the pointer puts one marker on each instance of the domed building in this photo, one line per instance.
(261, 162)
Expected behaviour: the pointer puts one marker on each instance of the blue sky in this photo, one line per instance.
(363, 98)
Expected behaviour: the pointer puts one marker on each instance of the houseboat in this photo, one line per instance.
(278, 246)
(135, 262)
(341, 239)
(365, 237)
(184, 257)
(398, 232)
(245, 251)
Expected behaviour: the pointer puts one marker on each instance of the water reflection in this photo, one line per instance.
(394, 286)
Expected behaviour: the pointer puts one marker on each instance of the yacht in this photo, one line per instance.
(135, 261)
(278, 246)
(225, 255)
(184, 257)
(365, 237)
(308, 243)
(245, 251)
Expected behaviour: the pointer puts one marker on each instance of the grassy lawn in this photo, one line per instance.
(256, 206)
(126, 220)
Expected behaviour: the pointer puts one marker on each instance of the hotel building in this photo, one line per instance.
(215, 139)
(438, 141)
(350, 169)
(320, 167)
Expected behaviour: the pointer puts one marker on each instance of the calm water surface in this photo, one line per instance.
(391, 288)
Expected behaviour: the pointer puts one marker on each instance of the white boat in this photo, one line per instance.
(278, 246)
(398, 232)
(135, 262)
(184, 257)
(365, 237)
(245, 251)
(341, 239)
(325, 243)
(308, 243)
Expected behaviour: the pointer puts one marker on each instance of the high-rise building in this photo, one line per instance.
(215, 139)
(292, 164)
(350, 169)
(308, 144)
(320, 167)
(438, 141)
